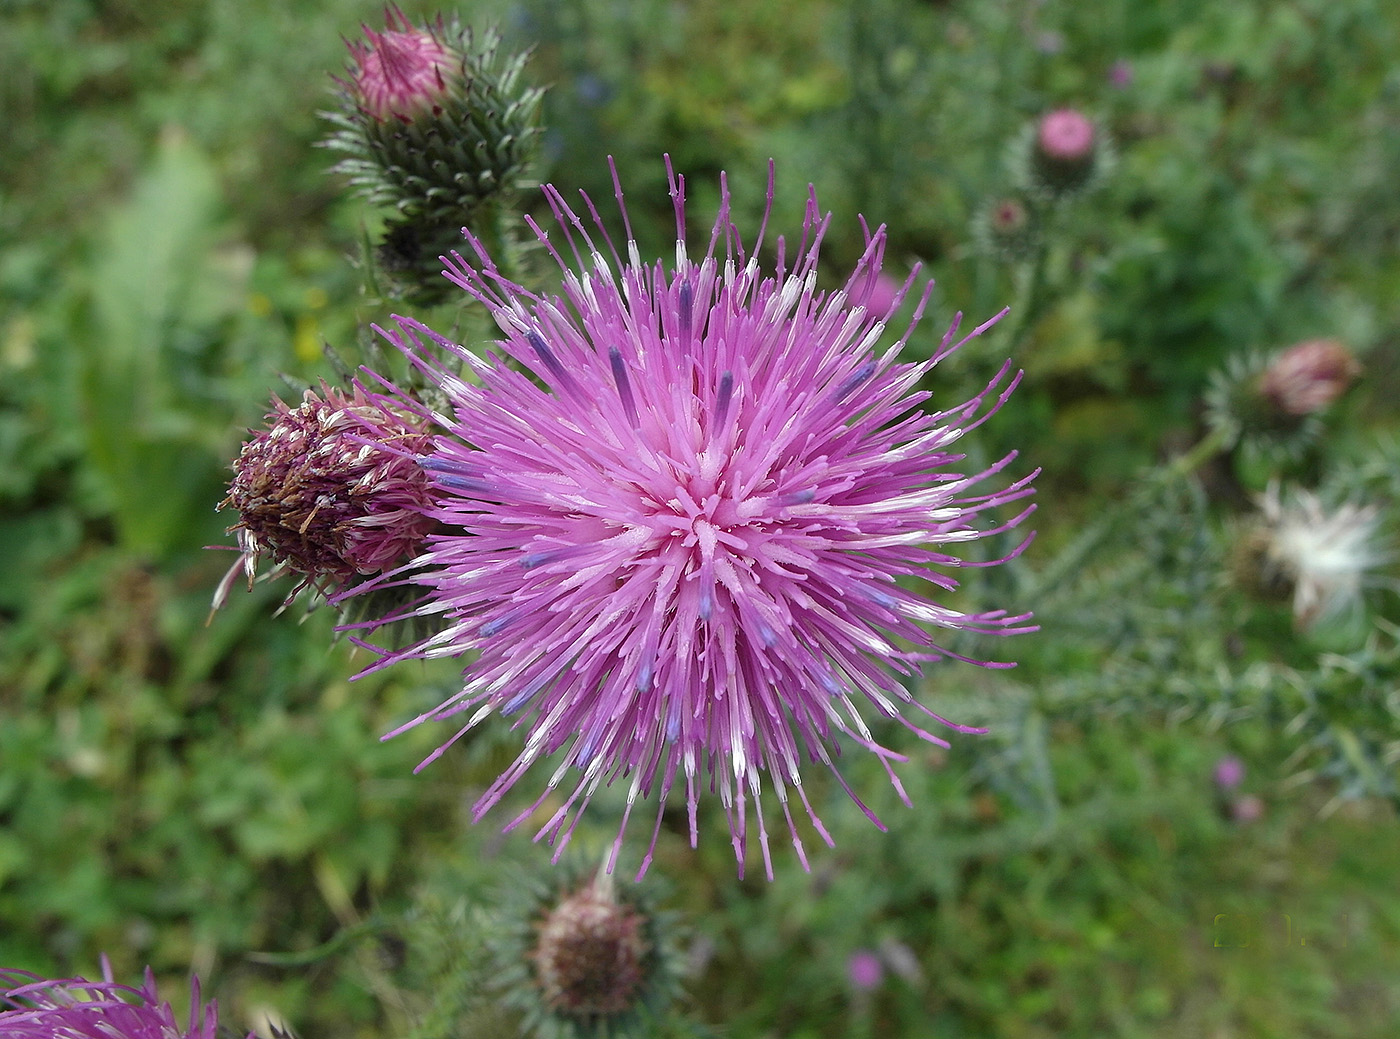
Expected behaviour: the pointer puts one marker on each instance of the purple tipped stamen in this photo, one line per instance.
(624, 387)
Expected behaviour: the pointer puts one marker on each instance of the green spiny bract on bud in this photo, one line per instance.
(434, 124)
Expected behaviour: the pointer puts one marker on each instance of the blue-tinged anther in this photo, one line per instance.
(436, 464)
(587, 749)
(882, 599)
(673, 720)
(624, 385)
(686, 301)
(722, 399)
(521, 698)
(802, 497)
(850, 382)
(767, 636)
(551, 361)
(829, 683)
(707, 604)
(495, 625)
(534, 559)
(463, 483)
(644, 678)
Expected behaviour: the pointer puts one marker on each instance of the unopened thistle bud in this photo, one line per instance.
(1007, 228)
(331, 490)
(434, 125)
(400, 74)
(591, 955)
(586, 956)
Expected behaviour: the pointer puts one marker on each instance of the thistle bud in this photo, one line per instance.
(1272, 404)
(1308, 376)
(591, 955)
(1007, 228)
(331, 490)
(434, 125)
(1065, 154)
(581, 955)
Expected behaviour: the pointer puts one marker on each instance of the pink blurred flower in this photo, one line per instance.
(1229, 772)
(1065, 135)
(1247, 809)
(1308, 376)
(865, 970)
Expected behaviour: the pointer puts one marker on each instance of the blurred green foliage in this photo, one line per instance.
(215, 796)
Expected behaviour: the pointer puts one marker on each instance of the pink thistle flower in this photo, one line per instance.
(401, 72)
(1229, 772)
(704, 525)
(331, 490)
(1065, 135)
(1308, 376)
(74, 1008)
(1065, 153)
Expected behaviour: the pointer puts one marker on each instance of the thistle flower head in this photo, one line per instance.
(591, 954)
(402, 72)
(1261, 411)
(74, 1008)
(1307, 377)
(1320, 558)
(699, 527)
(331, 489)
(1065, 135)
(435, 126)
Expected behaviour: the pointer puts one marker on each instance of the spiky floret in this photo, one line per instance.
(693, 520)
(32, 1007)
(437, 160)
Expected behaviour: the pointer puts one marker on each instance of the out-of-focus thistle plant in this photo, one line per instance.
(707, 526)
(330, 490)
(1271, 405)
(1052, 162)
(32, 1007)
(435, 124)
(580, 955)
(1008, 228)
